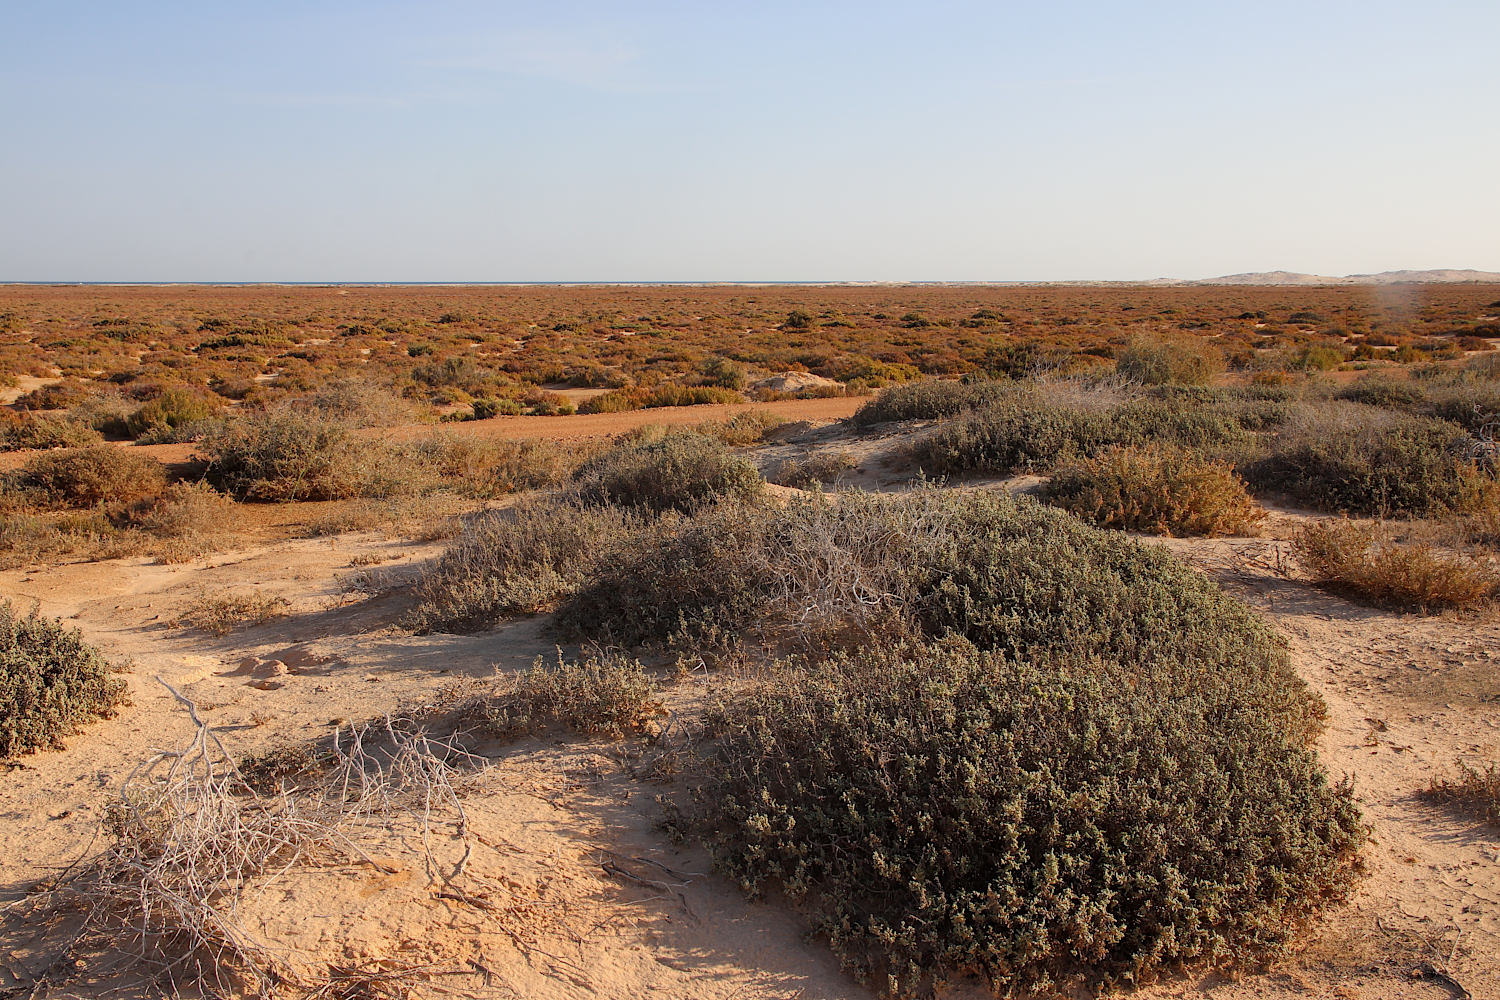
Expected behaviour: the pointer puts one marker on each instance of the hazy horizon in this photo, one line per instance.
(674, 143)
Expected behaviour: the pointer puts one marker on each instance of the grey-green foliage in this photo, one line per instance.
(946, 811)
(666, 470)
(51, 682)
(520, 561)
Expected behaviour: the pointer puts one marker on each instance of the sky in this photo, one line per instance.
(708, 141)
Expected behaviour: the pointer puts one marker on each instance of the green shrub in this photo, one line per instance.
(665, 469)
(174, 408)
(51, 682)
(521, 561)
(945, 811)
(287, 457)
(615, 401)
(1355, 458)
(1165, 491)
(86, 477)
(1181, 361)
(1384, 392)
(601, 695)
(928, 399)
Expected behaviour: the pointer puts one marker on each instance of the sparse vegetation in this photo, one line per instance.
(603, 694)
(1475, 790)
(220, 614)
(51, 682)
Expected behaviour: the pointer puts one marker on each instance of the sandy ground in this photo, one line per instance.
(573, 890)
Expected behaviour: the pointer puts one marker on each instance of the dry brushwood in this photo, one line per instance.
(191, 837)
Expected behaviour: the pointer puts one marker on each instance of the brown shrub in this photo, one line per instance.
(1164, 491)
(87, 477)
(1361, 559)
(1476, 790)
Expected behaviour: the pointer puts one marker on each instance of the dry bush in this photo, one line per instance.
(1363, 560)
(742, 429)
(87, 477)
(352, 403)
(29, 432)
(1164, 491)
(220, 614)
(291, 457)
(520, 561)
(191, 839)
(1476, 790)
(51, 682)
(603, 694)
(1177, 360)
(665, 469)
(489, 468)
(820, 468)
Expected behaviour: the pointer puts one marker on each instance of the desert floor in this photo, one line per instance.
(574, 890)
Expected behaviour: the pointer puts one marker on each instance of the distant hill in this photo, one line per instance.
(1439, 276)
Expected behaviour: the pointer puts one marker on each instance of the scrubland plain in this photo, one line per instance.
(746, 641)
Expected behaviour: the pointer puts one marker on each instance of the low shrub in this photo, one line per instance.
(173, 409)
(665, 470)
(1165, 491)
(829, 572)
(1179, 361)
(87, 477)
(1384, 392)
(489, 468)
(821, 468)
(750, 427)
(51, 682)
(32, 432)
(1036, 428)
(1358, 459)
(1476, 790)
(352, 403)
(605, 694)
(220, 614)
(945, 811)
(287, 457)
(520, 561)
(1362, 560)
(928, 399)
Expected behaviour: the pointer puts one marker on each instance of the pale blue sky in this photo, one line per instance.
(467, 141)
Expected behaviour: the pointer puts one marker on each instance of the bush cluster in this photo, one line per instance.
(287, 457)
(1010, 744)
(87, 477)
(1350, 457)
(51, 682)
